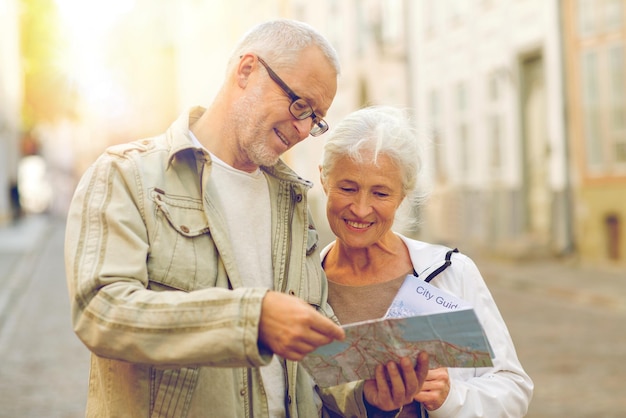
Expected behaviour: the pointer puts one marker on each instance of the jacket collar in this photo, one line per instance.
(283, 172)
(178, 133)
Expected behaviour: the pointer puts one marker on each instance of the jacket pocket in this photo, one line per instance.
(181, 246)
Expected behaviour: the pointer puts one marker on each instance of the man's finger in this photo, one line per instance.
(328, 328)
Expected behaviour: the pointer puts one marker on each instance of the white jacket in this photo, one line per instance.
(504, 390)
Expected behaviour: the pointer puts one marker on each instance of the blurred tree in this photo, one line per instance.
(47, 90)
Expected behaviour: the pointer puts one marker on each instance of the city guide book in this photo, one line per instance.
(420, 318)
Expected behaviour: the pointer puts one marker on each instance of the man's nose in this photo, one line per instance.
(303, 126)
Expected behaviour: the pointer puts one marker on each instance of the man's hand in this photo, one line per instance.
(435, 389)
(291, 328)
(396, 386)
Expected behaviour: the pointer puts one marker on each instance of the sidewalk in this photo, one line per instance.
(20, 243)
(45, 368)
(21, 237)
(563, 279)
(566, 321)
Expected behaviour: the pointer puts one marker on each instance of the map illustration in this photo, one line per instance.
(451, 338)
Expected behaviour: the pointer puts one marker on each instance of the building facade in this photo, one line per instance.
(10, 104)
(489, 88)
(521, 102)
(594, 35)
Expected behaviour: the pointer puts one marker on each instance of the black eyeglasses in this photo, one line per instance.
(299, 108)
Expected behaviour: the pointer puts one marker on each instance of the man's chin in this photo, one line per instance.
(267, 162)
(263, 155)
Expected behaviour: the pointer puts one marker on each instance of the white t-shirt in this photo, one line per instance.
(244, 202)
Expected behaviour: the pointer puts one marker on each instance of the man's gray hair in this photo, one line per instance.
(280, 41)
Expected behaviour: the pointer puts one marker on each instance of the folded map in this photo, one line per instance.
(451, 334)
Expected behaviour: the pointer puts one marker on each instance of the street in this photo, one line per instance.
(45, 367)
(568, 328)
(567, 323)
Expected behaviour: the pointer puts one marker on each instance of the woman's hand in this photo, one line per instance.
(435, 389)
(396, 385)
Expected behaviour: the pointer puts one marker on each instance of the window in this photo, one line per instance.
(617, 106)
(604, 107)
(600, 30)
(596, 17)
(437, 138)
(388, 27)
(458, 9)
(463, 133)
(392, 21)
(433, 16)
(494, 120)
(591, 110)
(495, 143)
(462, 130)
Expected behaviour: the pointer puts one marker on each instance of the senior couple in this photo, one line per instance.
(194, 269)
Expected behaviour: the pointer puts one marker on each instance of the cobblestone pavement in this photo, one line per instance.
(567, 323)
(44, 366)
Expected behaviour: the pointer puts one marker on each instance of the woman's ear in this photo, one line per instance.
(401, 200)
(322, 182)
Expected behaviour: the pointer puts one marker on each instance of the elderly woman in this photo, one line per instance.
(369, 168)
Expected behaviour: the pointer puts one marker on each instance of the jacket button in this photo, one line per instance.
(289, 399)
(242, 392)
(298, 198)
(184, 229)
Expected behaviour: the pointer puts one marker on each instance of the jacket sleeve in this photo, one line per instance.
(503, 390)
(114, 311)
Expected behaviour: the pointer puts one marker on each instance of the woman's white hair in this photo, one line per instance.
(380, 130)
(280, 41)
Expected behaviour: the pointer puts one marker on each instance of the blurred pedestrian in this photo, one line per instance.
(192, 260)
(16, 206)
(369, 168)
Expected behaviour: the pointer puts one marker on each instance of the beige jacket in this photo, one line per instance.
(156, 294)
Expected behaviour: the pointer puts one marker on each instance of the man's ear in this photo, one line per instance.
(246, 65)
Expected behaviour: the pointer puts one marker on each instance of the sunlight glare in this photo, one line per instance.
(87, 25)
(90, 17)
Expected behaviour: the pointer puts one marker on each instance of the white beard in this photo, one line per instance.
(250, 139)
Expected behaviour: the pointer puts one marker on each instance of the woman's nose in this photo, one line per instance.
(361, 206)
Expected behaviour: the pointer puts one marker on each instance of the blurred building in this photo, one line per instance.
(595, 79)
(521, 101)
(10, 105)
(489, 85)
